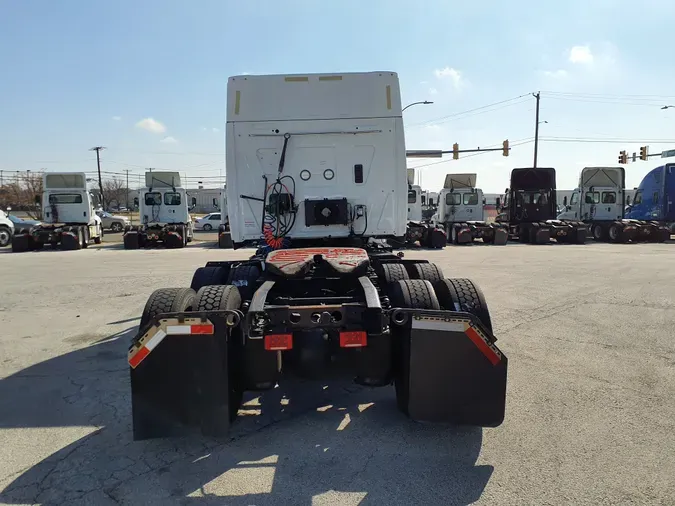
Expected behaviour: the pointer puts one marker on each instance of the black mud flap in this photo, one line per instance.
(456, 373)
(179, 375)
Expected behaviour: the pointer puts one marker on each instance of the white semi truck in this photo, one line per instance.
(420, 229)
(68, 216)
(316, 168)
(600, 202)
(164, 213)
(461, 213)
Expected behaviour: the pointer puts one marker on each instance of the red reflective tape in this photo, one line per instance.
(138, 357)
(276, 342)
(482, 346)
(353, 339)
(201, 329)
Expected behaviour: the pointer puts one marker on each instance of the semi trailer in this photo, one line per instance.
(600, 202)
(316, 170)
(529, 210)
(164, 212)
(68, 217)
(461, 213)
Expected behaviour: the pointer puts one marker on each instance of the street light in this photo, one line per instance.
(543, 122)
(426, 102)
(668, 107)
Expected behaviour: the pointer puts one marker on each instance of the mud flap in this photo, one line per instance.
(179, 375)
(456, 373)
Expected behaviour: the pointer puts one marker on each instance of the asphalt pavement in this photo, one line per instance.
(590, 409)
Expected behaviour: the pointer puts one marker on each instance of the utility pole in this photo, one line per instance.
(536, 129)
(100, 180)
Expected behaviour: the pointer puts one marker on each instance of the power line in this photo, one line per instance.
(606, 95)
(449, 117)
(606, 141)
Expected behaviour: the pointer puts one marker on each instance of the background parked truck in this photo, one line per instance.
(529, 209)
(68, 216)
(420, 229)
(600, 202)
(654, 197)
(461, 213)
(164, 213)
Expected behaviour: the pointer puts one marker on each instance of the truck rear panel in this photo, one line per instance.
(325, 138)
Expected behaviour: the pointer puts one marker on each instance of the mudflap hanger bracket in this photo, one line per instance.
(455, 373)
(179, 374)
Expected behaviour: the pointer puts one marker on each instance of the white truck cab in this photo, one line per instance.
(460, 200)
(164, 208)
(461, 212)
(315, 156)
(415, 196)
(68, 215)
(599, 197)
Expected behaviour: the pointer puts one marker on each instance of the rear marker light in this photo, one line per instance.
(277, 342)
(354, 339)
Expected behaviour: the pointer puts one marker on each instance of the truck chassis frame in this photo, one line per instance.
(377, 317)
(66, 235)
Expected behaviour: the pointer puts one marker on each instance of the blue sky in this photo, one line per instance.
(147, 78)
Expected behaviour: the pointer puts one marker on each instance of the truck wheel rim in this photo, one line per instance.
(4, 237)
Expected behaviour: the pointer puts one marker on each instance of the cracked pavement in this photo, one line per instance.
(590, 411)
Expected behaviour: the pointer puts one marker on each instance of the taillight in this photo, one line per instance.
(278, 342)
(353, 339)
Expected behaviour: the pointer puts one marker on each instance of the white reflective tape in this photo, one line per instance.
(155, 340)
(438, 325)
(178, 329)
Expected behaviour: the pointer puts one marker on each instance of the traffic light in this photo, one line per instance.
(506, 148)
(623, 157)
(644, 152)
(455, 151)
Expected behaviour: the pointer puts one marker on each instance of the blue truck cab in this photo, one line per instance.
(654, 197)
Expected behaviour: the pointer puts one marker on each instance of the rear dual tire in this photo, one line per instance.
(450, 294)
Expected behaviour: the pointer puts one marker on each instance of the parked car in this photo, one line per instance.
(6, 229)
(21, 224)
(112, 222)
(208, 222)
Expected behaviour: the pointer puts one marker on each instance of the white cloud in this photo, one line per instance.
(424, 82)
(556, 74)
(433, 91)
(581, 54)
(453, 75)
(169, 140)
(151, 125)
(117, 118)
(215, 130)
